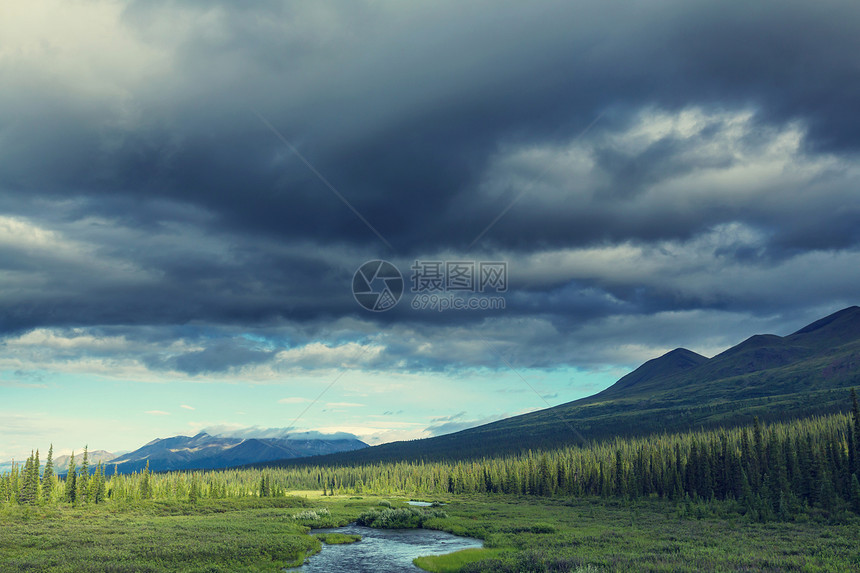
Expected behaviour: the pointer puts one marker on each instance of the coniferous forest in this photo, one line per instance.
(772, 472)
(761, 497)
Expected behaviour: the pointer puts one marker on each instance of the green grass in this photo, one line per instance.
(247, 535)
(76, 540)
(337, 538)
(520, 534)
(453, 562)
(646, 535)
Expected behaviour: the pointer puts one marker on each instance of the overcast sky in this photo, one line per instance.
(188, 188)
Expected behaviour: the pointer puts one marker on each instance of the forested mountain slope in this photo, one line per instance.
(773, 377)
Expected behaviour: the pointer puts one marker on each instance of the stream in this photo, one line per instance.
(382, 550)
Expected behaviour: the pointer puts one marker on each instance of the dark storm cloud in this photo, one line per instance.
(708, 150)
(403, 109)
(218, 357)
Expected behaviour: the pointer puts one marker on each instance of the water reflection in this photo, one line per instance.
(383, 550)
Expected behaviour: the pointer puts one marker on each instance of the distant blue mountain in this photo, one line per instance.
(207, 452)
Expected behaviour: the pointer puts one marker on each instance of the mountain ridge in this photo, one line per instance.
(769, 376)
(206, 452)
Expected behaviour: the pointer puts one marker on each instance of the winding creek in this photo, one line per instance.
(382, 550)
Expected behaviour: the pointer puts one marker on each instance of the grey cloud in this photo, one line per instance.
(178, 216)
(220, 356)
(281, 433)
(448, 427)
(450, 418)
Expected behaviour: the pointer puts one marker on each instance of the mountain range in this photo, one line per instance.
(205, 452)
(61, 463)
(769, 376)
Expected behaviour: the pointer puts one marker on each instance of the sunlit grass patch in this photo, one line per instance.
(337, 538)
(452, 562)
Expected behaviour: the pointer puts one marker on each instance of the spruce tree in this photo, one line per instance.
(27, 493)
(827, 494)
(48, 478)
(96, 487)
(855, 414)
(723, 469)
(603, 481)
(101, 490)
(145, 485)
(545, 477)
(561, 477)
(746, 453)
(194, 490)
(691, 478)
(855, 494)
(14, 482)
(71, 481)
(265, 486)
(676, 486)
(679, 470)
(747, 496)
(737, 478)
(84, 479)
(704, 480)
(759, 467)
(37, 471)
(620, 484)
(806, 462)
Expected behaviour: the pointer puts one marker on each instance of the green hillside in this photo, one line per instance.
(769, 376)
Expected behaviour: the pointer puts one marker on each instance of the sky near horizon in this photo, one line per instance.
(188, 189)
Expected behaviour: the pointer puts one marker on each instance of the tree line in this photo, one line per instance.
(30, 485)
(772, 471)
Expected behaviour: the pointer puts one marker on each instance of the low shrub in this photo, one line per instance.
(403, 518)
(312, 514)
(337, 538)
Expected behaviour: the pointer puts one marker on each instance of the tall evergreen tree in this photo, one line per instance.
(806, 463)
(691, 479)
(265, 486)
(827, 494)
(746, 452)
(37, 473)
(48, 477)
(723, 469)
(545, 477)
(27, 494)
(84, 479)
(14, 482)
(96, 487)
(759, 456)
(620, 484)
(855, 493)
(855, 415)
(145, 485)
(71, 481)
(194, 490)
(704, 481)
